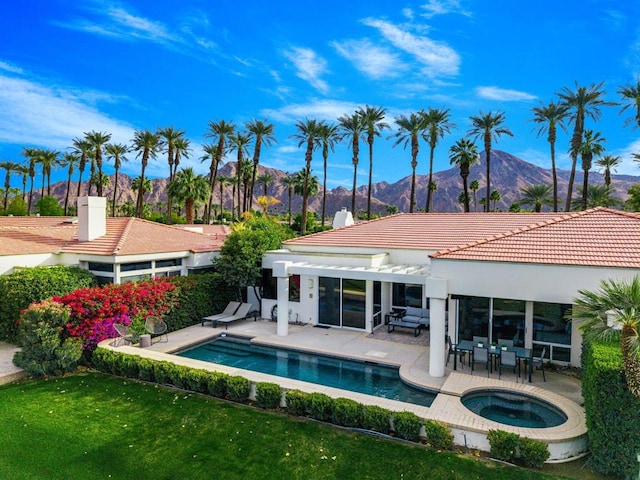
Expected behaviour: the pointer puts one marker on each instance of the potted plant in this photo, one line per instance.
(494, 345)
(504, 346)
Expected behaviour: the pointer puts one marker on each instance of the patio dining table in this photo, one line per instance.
(521, 353)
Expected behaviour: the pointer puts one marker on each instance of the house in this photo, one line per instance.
(116, 250)
(499, 275)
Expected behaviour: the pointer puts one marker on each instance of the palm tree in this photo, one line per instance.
(309, 134)
(263, 133)
(116, 152)
(97, 140)
(409, 130)
(101, 180)
(582, 103)
(181, 149)
(48, 159)
(189, 188)
(464, 155)
(221, 131)
(24, 171)
(433, 188)
(265, 179)
(609, 163)
(289, 182)
(141, 184)
(592, 144)
(168, 138)
(474, 186)
(147, 144)
(82, 148)
(549, 118)
(489, 127)
(69, 161)
(495, 198)
(612, 312)
(631, 94)
(31, 154)
(437, 125)
(329, 136)
(353, 126)
(536, 196)
(597, 196)
(240, 143)
(373, 120)
(9, 168)
(222, 181)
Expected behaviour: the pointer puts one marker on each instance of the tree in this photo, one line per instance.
(582, 103)
(49, 206)
(220, 131)
(265, 202)
(189, 188)
(597, 196)
(409, 130)
(240, 143)
(489, 127)
(31, 154)
(97, 140)
(433, 188)
(464, 155)
(549, 118)
(632, 204)
(48, 159)
(329, 135)
(168, 137)
(353, 126)
(116, 152)
(474, 186)
(536, 195)
(631, 95)
(373, 121)
(82, 148)
(24, 171)
(69, 160)
(309, 135)
(391, 209)
(591, 145)
(263, 133)
(8, 167)
(612, 312)
(437, 125)
(265, 179)
(608, 163)
(495, 197)
(147, 144)
(289, 182)
(222, 181)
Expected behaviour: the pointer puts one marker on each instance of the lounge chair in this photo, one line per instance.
(230, 309)
(126, 335)
(242, 313)
(156, 327)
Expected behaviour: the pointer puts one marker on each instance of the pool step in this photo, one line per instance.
(227, 350)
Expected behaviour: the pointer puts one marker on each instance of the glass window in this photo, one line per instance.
(294, 288)
(508, 321)
(172, 262)
(353, 303)
(101, 267)
(407, 295)
(473, 317)
(135, 278)
(129, 267)
(550, 324)
(329, 301)
(269, 284)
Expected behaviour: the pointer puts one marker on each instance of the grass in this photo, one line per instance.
(90, 425)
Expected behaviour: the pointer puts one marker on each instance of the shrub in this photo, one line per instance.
(145, 369)
(238, 388)
(376, 418)
(347, 412)
(320, 406)
(533, 453)
(296, 401)
(438, 435)
(504, 445)
(216, 383)
(407, 425)
(268, 395)
(46, 350)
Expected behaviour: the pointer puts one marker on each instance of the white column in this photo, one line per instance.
(280, 271)
(437, 341)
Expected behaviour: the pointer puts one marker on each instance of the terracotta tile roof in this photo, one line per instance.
(424, 231)
(596, 237)
(125, 236)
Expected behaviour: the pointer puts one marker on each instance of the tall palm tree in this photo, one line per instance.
(265, 179)
(69, 160)
(97, 140)
(433, 188)
(189, 188)
(147, 144)
(49, 160)
(536, 195)
(309, 134)
(220, 131)
(489, 127)
(373, 120)
(222, 181)
(631, 94)
(239, 142)
(582, 103)
(82, 148)
(409, 131)
(495, 197)
(116, 152)
(288, 181)
(352, 126)
(24, 171)
(592, 144)
(9, 168)
(474, 186)
(302, 180)
(182, 148)
(329, 136)
(168, 138)
(597, 196)
(549, 118)
(612, 312)
(608, 163)
(437, 125)
(263, 133)
(464, 154)
(31, 154)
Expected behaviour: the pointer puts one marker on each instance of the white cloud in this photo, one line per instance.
(628, 166)
(372, 60)
(506, 95)
(310, 67)
(9, 67)
(442, 7)
(328, 110)
(436, 57)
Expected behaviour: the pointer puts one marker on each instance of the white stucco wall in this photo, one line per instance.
(9, 262)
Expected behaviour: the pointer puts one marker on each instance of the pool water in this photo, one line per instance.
(363, 377)
(514, 409)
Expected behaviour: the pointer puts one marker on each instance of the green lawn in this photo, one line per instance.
(92, 426)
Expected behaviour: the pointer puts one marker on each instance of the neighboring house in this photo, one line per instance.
(116, 250)
(499, 275)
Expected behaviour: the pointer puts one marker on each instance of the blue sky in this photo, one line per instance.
(68, 67)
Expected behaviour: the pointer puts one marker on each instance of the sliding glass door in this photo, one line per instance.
(329, 301)
(342, 302)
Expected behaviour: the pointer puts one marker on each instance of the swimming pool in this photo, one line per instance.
(363, 377)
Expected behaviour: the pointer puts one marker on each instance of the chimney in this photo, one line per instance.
(343, 218)
(92, 218)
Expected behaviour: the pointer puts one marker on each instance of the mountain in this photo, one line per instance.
(508, 175)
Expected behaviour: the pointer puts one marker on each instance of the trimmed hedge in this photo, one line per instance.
(407, 425)
(438, 435)
(376, 418)
(268, 395)
(348, 413)
(296, 401)
(612, 411)
(513, 448)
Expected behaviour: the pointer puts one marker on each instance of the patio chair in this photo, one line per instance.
(156, 327)
(242, 313)
(229, 310)
(483, 340)
(538, 362)
(454, 351)
(126, 335)
(508, 359)
(480, 355)
(505, 342)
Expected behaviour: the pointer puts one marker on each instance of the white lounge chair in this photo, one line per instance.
(230, 309)
(242, 313)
